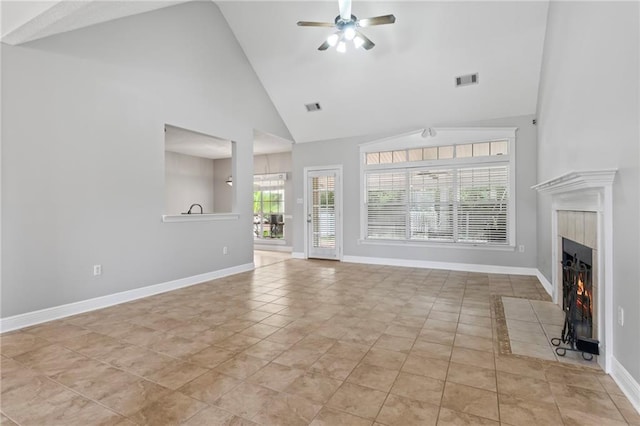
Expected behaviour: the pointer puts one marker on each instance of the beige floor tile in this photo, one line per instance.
(237, 343)
(374, 377)
(449, 417)
(429, 367)
(246, 400)
(50, 360)
(210, 386)
(589, 402)
(347, 350)
(129, 399)
(298, 357)
(523, 387)
(171, 409)
(522, 412)
(532, 350)
(470, 400)
(357, 400)
(214, 416)
(399, 411)
(464, 374)
(329, 417)
(17, 343)
(241, 366)
(431, 350)
(384, 358)
(473, 357)
(315, 387)
(419, 388)
(211, 357)
(287, 410)
(176, 374)
(524, 367)
(275, 376)
(473, 342)
(335, 367)
(474, 330)
(266, 350)
(437, 336)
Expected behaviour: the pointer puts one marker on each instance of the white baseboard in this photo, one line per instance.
(466, 267)
(272, 247)
(49, 314)
(545, 283)
(297, 255)
(628, 385)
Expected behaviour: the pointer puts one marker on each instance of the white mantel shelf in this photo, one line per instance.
(574, 181)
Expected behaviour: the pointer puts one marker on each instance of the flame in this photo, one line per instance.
(580, 285)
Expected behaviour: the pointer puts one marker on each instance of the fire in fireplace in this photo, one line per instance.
(577, 301)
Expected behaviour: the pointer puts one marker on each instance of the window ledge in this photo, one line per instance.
(462, 246)
(209, 217)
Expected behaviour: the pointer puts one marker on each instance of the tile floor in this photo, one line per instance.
(532, 324)
(300, 342)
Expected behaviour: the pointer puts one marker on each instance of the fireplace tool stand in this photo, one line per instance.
(575, 276)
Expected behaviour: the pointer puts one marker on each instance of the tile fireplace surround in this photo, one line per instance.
(582, 211)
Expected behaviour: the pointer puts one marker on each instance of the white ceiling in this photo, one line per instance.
(406, 81)
(196, 144)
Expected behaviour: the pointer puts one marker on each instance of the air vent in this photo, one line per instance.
(313, 107)
(465, 80)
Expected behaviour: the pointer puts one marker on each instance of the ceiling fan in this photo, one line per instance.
(348, 28)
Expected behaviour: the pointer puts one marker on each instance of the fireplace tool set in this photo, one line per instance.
(578, 311)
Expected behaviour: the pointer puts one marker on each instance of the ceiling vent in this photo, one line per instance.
(465, 80)
(313, 107)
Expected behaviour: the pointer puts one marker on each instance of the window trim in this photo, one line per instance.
(437, 137)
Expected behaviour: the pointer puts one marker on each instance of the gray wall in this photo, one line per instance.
(222, 169)
(82, 154)
(187, 180)
(346, 152)
(588, 119)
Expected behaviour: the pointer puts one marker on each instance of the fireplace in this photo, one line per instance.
(577, 287)
(582, 211)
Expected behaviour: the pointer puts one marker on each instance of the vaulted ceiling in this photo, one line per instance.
(405, 82)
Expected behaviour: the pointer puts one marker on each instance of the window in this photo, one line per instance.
(460, 193)
(268, 206)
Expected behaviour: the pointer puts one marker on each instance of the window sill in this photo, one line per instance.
(209, 217)
(460, 246)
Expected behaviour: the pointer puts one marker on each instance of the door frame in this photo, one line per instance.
(338, 200)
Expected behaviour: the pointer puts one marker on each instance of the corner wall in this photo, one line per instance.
(83, 115)
(588, 118)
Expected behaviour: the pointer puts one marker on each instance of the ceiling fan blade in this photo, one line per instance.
(324, 46)
(315, 24)
(378, 20)
(345, 9)
(368, 44)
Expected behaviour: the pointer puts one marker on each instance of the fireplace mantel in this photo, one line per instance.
(576, 181)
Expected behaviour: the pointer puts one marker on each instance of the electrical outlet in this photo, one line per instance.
(97, 270)
(225, 250)
(521, 248)
(620, 316)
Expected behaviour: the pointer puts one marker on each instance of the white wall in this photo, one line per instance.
(83, 115)
(588, 117)
(188, 180)
(346, 152)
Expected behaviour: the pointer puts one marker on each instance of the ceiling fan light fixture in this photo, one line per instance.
(342, 47)
(333, 39)
(349, 32)
(358, 42)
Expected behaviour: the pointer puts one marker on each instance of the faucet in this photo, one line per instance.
(192, 206)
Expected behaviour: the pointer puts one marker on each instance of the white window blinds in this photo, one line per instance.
(458, 204)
